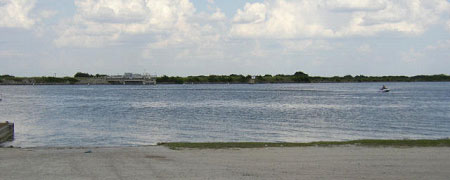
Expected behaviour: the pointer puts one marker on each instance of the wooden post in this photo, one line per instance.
(6, 131)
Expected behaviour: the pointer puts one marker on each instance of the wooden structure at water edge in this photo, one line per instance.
(6, 131)
(132, 79)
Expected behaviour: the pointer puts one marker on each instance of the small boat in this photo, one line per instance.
(384, 89)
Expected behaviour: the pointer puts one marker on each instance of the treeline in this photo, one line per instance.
(298, 77)
(362, 78)
(9, 79)
(87, 75)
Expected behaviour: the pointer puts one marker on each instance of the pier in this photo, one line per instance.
(6, 131)
(132, 79)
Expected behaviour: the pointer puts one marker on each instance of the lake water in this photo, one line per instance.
(143, 115)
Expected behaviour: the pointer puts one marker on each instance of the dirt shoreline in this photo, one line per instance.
(158, 162)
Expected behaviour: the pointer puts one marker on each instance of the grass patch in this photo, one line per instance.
(363, 142)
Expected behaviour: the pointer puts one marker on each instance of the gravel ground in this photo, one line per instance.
(157, 162)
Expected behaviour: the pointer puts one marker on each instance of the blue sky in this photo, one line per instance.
(201, 37)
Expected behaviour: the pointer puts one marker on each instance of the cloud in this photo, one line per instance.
(283, 19)
(279, 19)
(45, 14)
(136, 15)
(173, 35)
(97, 23)
(252, 13)
(86, 34)
(15, 13)
(218, 15)
(166, 24)
(360, 5)
(195, 40)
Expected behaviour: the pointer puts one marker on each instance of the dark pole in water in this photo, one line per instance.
(6, 131)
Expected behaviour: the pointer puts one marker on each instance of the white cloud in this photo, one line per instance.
(175, 35)
(15, 13)
(97, 23)
(252, 13)
(194, 41)
(136, 16)
(279, 19)
(336, 18)
(218, 15)
(87, 34)
(359, 5)
(406, 16)
(45, 14)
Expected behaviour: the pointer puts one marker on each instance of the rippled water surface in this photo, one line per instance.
(142, 115)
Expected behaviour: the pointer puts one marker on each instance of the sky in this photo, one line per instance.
(203, 37)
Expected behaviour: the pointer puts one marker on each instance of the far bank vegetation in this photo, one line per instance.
(298, 77)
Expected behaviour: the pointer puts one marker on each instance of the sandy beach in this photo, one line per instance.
(159, 162)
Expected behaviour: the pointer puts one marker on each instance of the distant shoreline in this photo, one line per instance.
(202, 83)
(83, 84)
(298, 77)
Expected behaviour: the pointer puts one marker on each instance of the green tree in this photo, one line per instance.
(80, 74)
(100, 75)
(299, 73)
(162, 79)
(300, 77)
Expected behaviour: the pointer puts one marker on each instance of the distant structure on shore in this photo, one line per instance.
(252, 80)
(132, 79)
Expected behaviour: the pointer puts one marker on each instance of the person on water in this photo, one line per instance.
(384, 87)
